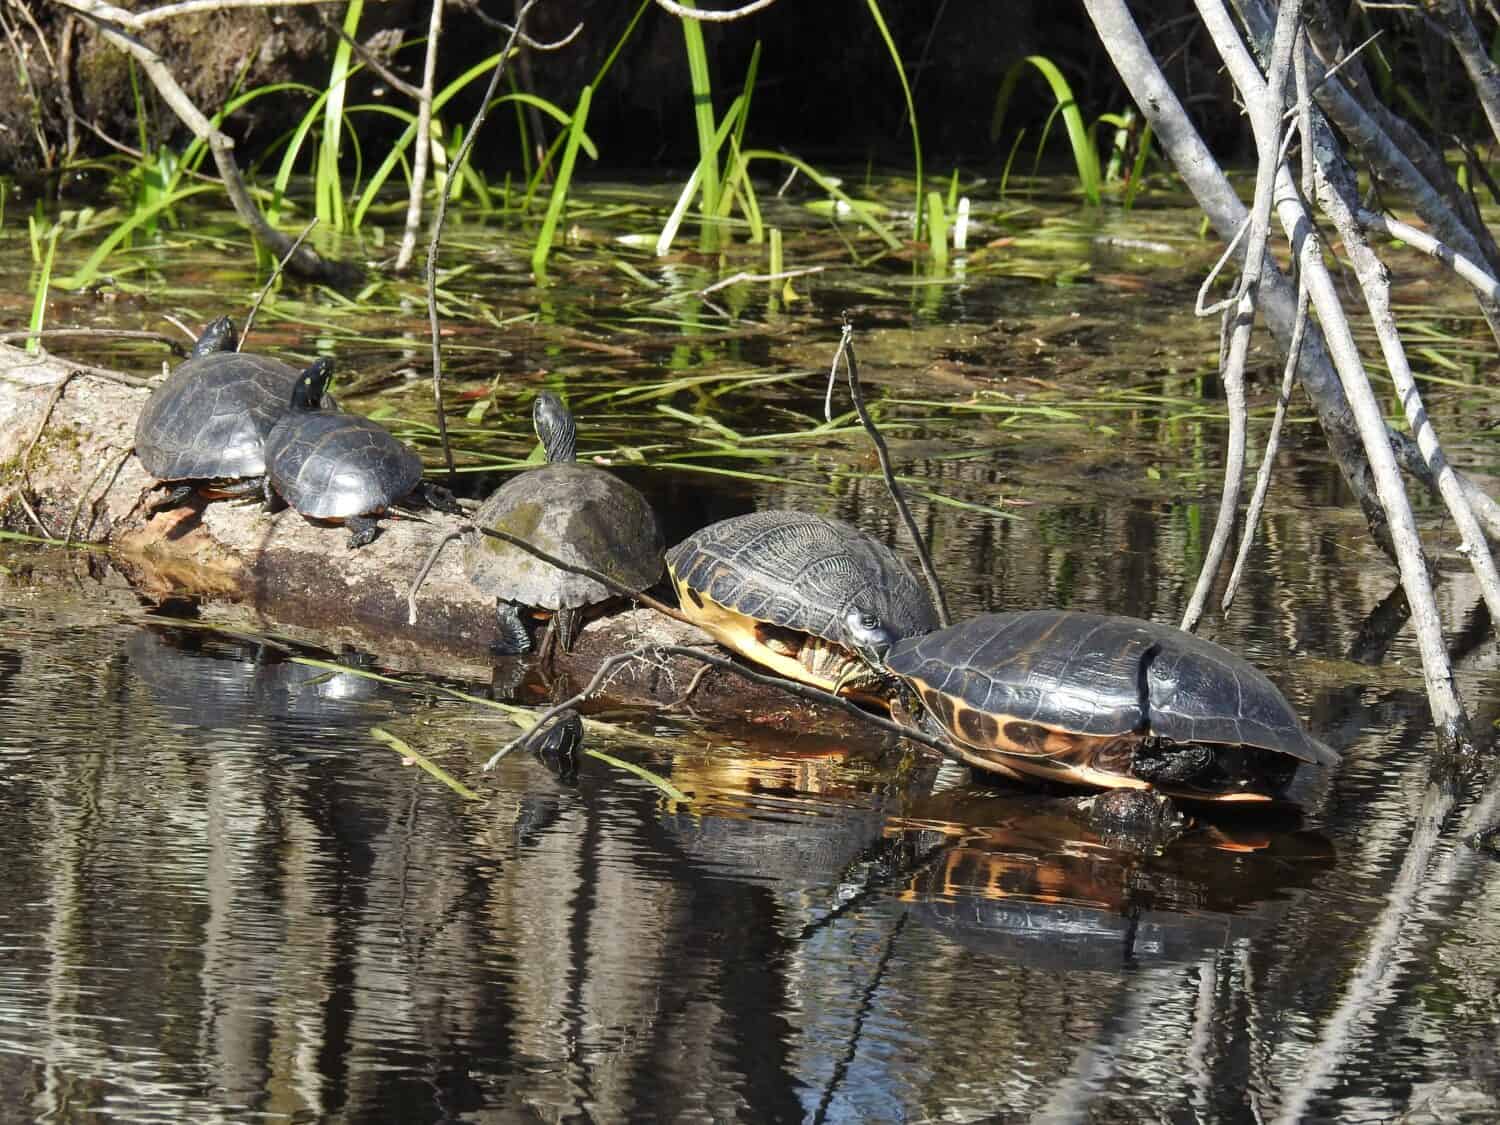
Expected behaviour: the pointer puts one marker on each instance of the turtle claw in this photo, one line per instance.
(437, 497)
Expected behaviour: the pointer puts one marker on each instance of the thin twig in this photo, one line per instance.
(82, 496)
(1264, 106)
(851, 366)
(702, 16)
(270, 281)
(522, 38)
(552, 560)
(139, 21)
(1333, 70)
(437, 234)
(1263, 474)
(102, 333)
(371, 60)
(743, 277)
(802, 691)
(1468, 269)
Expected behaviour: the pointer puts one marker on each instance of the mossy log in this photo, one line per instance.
(297, 578)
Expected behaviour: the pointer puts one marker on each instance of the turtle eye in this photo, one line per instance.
(867, 633)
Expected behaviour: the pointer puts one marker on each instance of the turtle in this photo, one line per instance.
(1105, 702)
(334, 466)
(801, 594)
(578, 513)
(203, 429)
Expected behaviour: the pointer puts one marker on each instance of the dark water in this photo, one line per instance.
(223, 899)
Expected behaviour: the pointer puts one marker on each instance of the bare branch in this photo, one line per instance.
(110, 20)
(686, 13)
(1265, 111)
(423, 153)
(139, 21)
(1466, 268)
(791, 687)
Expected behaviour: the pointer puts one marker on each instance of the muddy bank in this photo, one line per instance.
(81, 481)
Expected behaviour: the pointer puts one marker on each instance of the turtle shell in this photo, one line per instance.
(333, 466)
(578, 513)
(209, 419)
(800, 572)
(1078, 696)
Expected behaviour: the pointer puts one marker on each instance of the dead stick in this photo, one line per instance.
(437, 235)
(552, 560)
(423, 154)
(270, 281)
(102, 333)
(851, 366)
(791, 687)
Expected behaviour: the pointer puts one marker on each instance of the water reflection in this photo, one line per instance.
(224, 899)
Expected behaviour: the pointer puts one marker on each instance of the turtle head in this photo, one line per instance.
(868, 635)
(554, 427)
(217, 337)
(307, 392)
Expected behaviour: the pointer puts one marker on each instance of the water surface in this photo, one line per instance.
(225, 900)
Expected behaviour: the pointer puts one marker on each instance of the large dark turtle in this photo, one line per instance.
(204, 428)
(1108, 702)
(342, 467)
(577, 513)
(803, 595)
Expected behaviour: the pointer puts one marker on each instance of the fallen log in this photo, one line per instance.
(66, 471)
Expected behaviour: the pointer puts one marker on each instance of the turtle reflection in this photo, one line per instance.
(211, 680)
(1029, 881)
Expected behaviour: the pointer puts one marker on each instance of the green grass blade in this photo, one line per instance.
(860, 213)
(397, 153)
(560, 188)
(937, 230)
(90, 269)
(380, 734)
(643, 773)
(330, 193)
(1138, 169)
(911, 109)
(1085, 157)
(43, 286)
(703, 119)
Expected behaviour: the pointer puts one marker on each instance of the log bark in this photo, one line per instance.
(294, 578)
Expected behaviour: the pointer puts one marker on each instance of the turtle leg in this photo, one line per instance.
(569, 624)
(511, 638)
(362, 530)
(179, 493)
(438, 497)
(239, 489)
(548, 647)
(270, 499)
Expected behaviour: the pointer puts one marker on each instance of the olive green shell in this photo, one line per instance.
(582, 515)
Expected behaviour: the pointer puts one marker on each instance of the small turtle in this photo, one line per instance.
(1106, 702)
(800, 594)
(204, 428)
(342, 467)
(577, 513)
